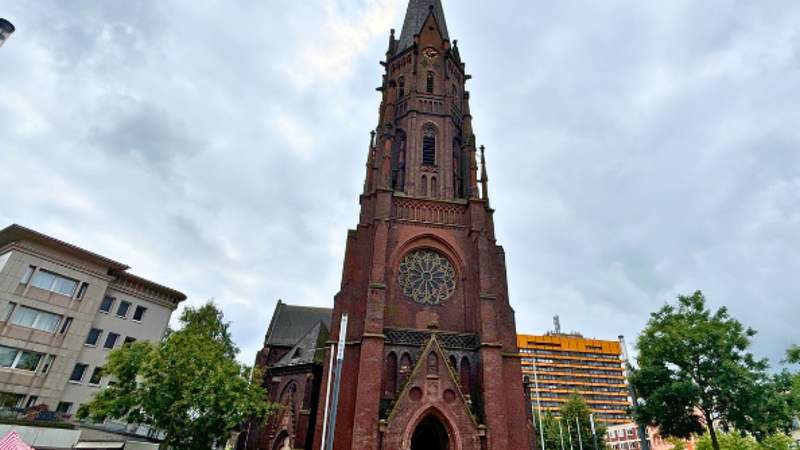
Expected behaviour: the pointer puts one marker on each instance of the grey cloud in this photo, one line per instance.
(636, 150)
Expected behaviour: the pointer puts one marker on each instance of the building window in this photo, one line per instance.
(111, 340)
(10, 400)
(28, 274)
(429, 83)
(424, 188)
(429, 146)
(97, 375)
(48, 363)
(31, 401)
(36, 319)
(434, 187)
(82, 291)
(8, 310)
(53, 282)
(64, 407)
(65, 325)
(131, 340)
(93, 337)
(401, 83)
(14, 358)
(77, 372)
(138, 314)
(107, 304)
(122, 310)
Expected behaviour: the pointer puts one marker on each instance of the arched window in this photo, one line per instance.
(423, 189)
(434, 187)
(464, 375)
(429, 146)
(429, 83)
(453, 363)
(399, 162)
(459, 170)
(287, 397)
(390, 377)
(401, 87)
(307, 392)
(405, 368)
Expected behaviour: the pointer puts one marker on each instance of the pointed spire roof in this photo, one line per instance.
(417, 13)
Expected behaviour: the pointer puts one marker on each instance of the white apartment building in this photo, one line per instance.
(62, 309)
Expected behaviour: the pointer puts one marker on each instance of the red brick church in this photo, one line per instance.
(431, 358)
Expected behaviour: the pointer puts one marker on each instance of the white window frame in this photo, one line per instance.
(45, 367)
(110, 307)
(133, 316)
(89, 382)
(99, 337)
(116, 341)
(83, 375)
(18, 356)
(28, 275)
(56, 277)
(39, 313)
(128, 310)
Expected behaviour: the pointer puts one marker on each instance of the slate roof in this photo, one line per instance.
(292, 323)
(306, 349)
(416, 14)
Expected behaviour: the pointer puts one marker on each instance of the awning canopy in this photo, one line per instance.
(99, 444)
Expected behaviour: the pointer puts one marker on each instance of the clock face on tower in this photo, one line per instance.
(427, 277)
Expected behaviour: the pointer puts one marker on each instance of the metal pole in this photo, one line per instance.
(338, 379)
(594, 431)
(538, 402)
(561, 433)
(580, 439)
(323, 441)
(643, 441)
(569, 433)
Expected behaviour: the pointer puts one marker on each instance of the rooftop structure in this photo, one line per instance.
(560, 364)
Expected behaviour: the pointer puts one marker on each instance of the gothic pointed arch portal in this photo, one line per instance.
(430, 434)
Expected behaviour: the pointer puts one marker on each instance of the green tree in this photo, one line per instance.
(727, 441)
(695, 372)
(576, 412)
(188, 386)
(777, 441)
(793, 355)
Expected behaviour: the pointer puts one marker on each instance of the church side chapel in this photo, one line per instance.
(431, 361)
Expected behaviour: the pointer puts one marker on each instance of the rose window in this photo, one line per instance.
(427, 277)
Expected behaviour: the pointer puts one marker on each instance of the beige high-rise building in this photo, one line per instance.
(62, 309)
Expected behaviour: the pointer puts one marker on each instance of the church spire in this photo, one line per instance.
(418, 11)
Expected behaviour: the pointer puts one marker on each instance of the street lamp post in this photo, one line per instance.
(6, 28)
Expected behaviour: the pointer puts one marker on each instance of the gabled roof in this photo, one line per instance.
(306, 349)
(16, 232)
(291, 323)
(417, 13)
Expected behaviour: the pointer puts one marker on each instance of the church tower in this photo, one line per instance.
(431, 358)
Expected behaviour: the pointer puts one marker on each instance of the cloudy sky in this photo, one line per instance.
(637, 150)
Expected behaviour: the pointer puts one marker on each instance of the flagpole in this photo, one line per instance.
(538, 402)
(337, 380)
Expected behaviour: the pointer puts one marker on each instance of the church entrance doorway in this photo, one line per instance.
(430, 435)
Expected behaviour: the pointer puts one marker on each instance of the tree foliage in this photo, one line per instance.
(189, 386)
(738, 441)
(574, 408)
(695, 372)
